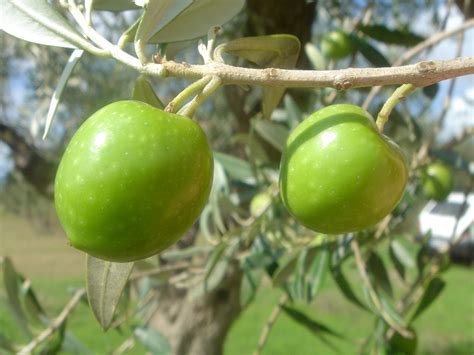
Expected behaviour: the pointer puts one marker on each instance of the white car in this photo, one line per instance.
(450, 221)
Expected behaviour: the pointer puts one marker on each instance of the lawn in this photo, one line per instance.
(55, 268)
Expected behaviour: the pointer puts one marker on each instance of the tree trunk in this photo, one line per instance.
(199, 326)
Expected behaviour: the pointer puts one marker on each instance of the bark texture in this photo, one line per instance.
(199, 325)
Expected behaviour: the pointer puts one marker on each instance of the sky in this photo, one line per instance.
(460, 114)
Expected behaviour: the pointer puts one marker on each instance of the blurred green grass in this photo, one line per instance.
(447, 327)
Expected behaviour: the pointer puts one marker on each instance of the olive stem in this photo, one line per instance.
(178, 101)
(190, 108)
(401, 93)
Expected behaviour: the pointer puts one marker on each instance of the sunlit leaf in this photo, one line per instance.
(39, 22)
(56, 97)
(176, 21)
(159, 13)
(105, 283)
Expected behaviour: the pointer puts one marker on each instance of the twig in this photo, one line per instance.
(55, 324)
(269, 324)
(420, 47)
(467, 133)
(401, 93)
(420, 74)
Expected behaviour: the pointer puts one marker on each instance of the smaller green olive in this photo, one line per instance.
(336, 45)
(437, 181)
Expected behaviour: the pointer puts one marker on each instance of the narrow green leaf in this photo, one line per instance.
(213, 259)
(152, 340)
(11, 281)
(315, 56)
(236, 168)
(344, 286)
(398, 344)
(317, 272)
(274, 133)
(39, 22)
(32, 306)
(402, 254)
(378, 271)
(384, 34)
(143, 91)
(285, 270)
(298, 285)
(369, 52)
(432, 291)
(273, 51)
(56, 97)
(315, 327)
(114, 5)
(391, 312)
(248, 289)
(295, 116)
(53, 345)
(105, 283)
(397, 263)
(431, 90)
(175, 21)
(158, 14)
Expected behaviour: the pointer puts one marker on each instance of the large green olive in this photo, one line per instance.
(437, 181)
(336, 45)
(338, 173)
(133, 179)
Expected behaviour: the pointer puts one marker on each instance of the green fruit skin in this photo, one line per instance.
(133, 179)
(437, 181)
(336, 45)
(338, 173)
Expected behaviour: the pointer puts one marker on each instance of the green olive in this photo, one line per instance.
(336, 45)
(133, 179)
(338, 173)
(437, 181)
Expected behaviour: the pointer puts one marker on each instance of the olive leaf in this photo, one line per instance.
(39, 22)
(114, 5)
(157, 15)
(143, 91)
(105, 283)
(11, 280)
(274, 133)
(273, 51)
(369, 52)
(56, 97)
(391, 36)
(175, 21)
